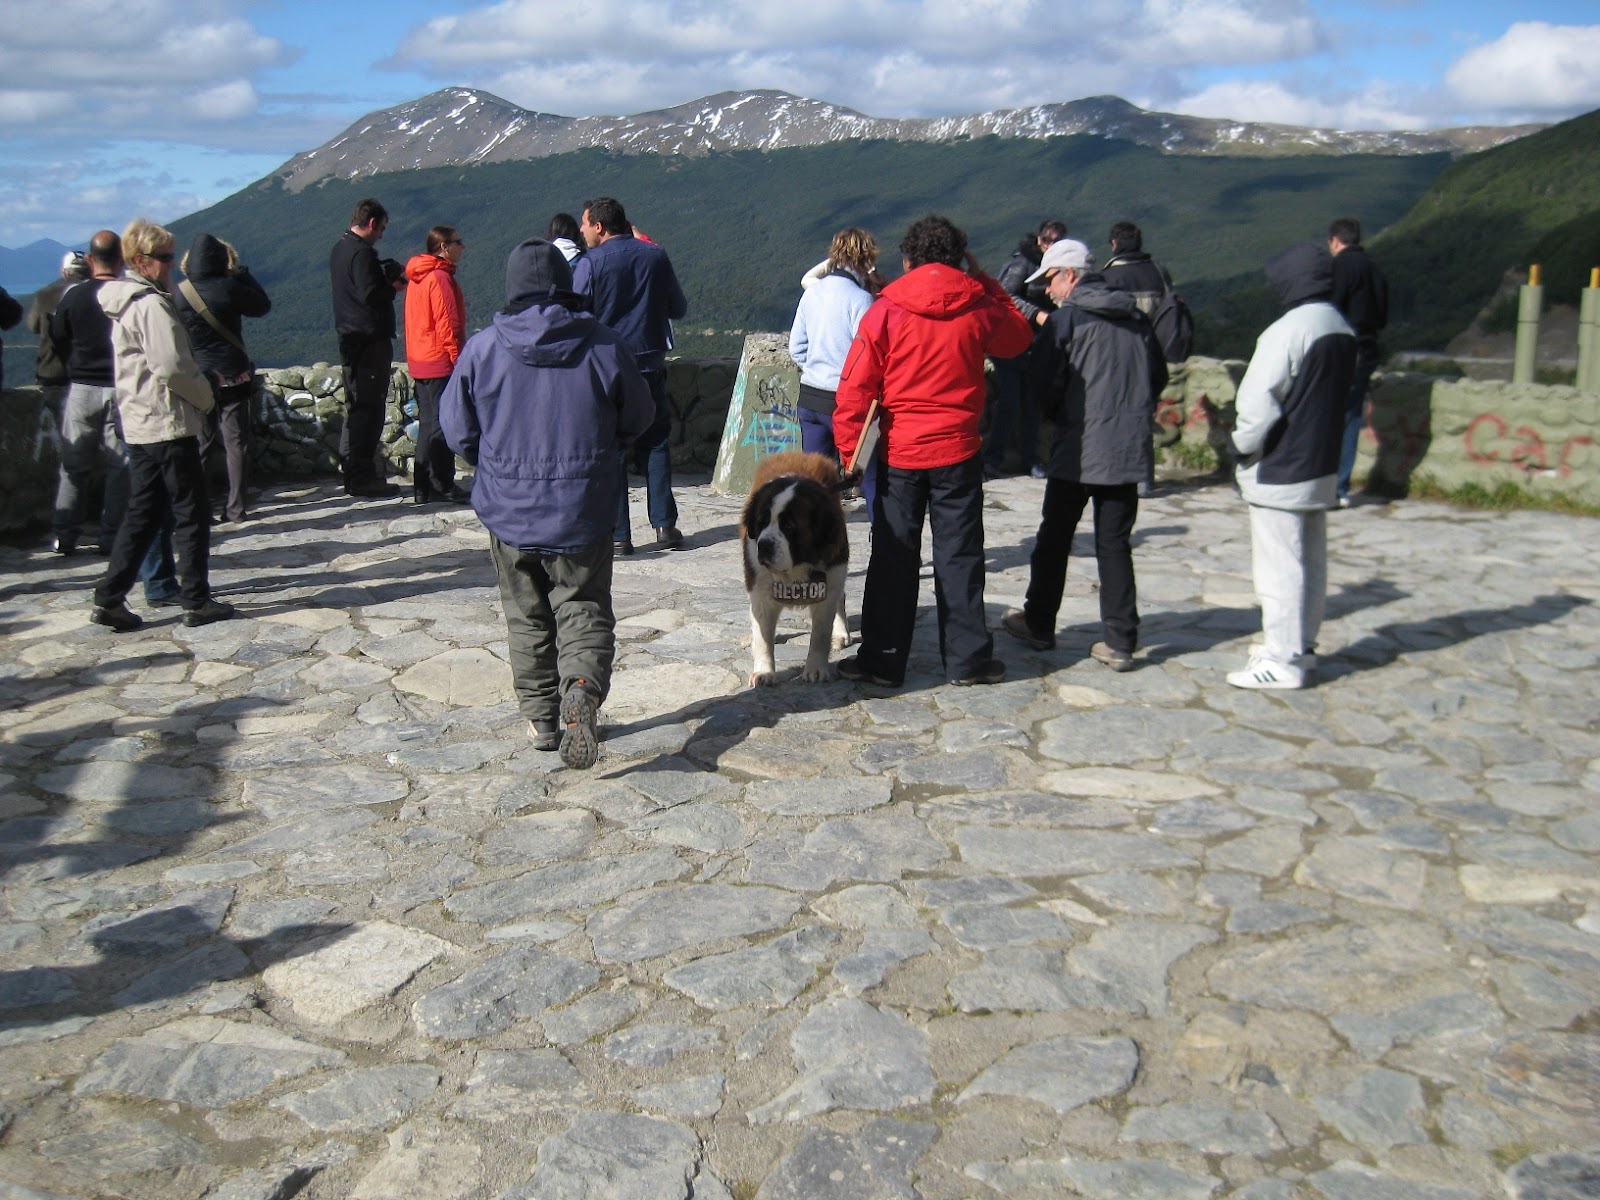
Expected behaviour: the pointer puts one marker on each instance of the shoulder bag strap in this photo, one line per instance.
(192, 295)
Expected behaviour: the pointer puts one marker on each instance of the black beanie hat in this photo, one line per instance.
(535, 272)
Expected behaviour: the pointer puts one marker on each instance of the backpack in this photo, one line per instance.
(1170, 317)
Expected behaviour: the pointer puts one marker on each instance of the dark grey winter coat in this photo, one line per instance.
(1097, 372)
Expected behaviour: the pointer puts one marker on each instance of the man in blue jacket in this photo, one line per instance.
(541, 403)
(631, 287)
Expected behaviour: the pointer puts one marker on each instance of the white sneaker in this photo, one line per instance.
(1263, 672)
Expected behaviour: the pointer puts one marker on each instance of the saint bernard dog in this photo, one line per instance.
(796, 555)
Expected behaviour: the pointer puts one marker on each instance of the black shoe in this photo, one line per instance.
(115, 616)
(64, 544)
(372, 489)
(457, 495)
(211, 610)
(668, 538)
(544, 735)
(851, 669)
(421, 493)
(992, 671)
(621, 549)
(580, 739)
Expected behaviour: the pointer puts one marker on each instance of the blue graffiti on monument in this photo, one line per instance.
(774, 426)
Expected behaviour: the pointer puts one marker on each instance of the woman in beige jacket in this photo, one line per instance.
(162, 399)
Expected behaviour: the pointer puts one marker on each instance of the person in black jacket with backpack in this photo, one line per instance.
(217, 293)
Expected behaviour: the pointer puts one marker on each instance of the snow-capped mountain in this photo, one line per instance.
(459, 126)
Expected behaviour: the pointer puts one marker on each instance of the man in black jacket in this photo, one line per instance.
(1361, 293)
(363, 317)
(91, 429)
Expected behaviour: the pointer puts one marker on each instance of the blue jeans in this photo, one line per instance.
(1354, 418)
(652, 451)
(816, 437)
(159, 571)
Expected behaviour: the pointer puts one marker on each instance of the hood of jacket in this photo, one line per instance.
(1301, 274)
(117, 294)
(935, 290)
(422, 265)
(207, 258)
(544, 335)
(1094, 294)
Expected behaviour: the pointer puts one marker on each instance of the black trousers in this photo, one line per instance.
(1115, 508)
(163, 477)
(952, 499)
(435, 465)
(367, 369)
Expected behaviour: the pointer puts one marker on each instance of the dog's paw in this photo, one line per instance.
(815, 674)
(841, 640)
(762, 679)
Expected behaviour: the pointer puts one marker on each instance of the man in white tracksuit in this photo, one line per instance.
(1287, 438)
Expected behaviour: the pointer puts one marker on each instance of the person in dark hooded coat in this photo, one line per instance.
(215, 282)
(542, 403)
(1287, 438)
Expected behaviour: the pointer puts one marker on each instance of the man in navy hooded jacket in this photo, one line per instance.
(541, 403)
(1286, 439)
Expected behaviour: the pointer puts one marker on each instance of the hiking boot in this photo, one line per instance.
(1015, 622)
(580, 739)
(851, 669)
(1117, 660)
(544, 735)
(992, 671)
(115, 616)
(207, 613)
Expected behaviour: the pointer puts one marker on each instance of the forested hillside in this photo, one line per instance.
(742, 227)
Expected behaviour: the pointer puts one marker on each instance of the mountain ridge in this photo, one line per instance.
(458, 126)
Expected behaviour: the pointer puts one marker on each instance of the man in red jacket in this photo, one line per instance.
(919, 353)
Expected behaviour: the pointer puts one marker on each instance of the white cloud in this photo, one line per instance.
(1378, 107)
(1533, 67)
(173, 64)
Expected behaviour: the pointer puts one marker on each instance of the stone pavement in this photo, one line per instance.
(291, 906)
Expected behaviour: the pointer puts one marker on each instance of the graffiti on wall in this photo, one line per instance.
(1489, 439)
(773, 424)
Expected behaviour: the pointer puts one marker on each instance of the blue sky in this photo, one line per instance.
(193, 99)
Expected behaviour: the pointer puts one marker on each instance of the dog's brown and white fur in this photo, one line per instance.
(792, 530)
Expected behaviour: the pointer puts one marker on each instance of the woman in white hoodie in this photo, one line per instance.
(831, 306)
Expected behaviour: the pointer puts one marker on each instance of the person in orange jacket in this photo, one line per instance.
(436, 328)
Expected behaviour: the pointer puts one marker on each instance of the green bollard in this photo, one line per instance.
(1588, 377)
(1529, 305)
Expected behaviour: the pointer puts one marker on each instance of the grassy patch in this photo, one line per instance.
(1191, 456)
(1503, 497)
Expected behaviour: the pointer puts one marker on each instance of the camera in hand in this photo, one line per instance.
(392, 270)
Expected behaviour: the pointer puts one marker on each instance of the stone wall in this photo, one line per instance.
(1542, 437)
(296, 416)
